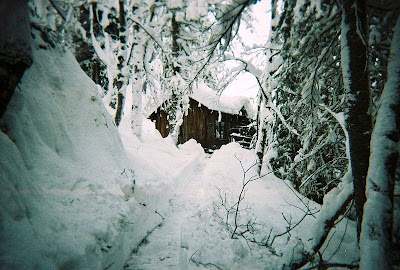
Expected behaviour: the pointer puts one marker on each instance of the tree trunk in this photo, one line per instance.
(96, 71)
(15, 51)
(261, 133)
(136, 113)
(138, 83)
(177, 102)
(120, 106)
(121, 79)
(356, 81)
(334, 206)
(376, 235)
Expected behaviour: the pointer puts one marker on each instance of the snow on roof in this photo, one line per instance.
(212, 100)
(223, 103)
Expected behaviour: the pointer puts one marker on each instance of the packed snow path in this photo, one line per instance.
(167, 246)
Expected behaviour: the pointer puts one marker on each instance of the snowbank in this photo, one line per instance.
(66, 184)
(273, 205)
(157, 163)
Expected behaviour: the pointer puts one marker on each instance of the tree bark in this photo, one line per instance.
(261, 134)
(121, 79)
(176, 100)
(356, 80)
(138, 79)
(15, 51)
(377, 226)
(96, 71)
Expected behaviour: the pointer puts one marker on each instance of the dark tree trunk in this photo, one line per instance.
(96, 71)
(118, 113)
(15, 53)
(121, 80)
(355, 75)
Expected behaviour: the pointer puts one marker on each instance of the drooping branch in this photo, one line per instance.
(59, 10)
(228, 20)
(156, 40)
(273, 107)
(331, 210)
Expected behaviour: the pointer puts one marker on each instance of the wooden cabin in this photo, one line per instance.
(211, 120)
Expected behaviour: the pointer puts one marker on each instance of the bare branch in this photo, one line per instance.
(58, 9)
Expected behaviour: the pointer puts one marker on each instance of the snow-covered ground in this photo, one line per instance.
(68, 198)
(184, 186)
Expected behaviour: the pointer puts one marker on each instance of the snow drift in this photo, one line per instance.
(65, 182)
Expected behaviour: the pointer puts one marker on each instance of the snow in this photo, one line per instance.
(78, 193)
(244, 84)
(297, 14)
(175, 4)
(66, 183)
(345, 54)
(183, 184)
(223, 103)
(196, 9)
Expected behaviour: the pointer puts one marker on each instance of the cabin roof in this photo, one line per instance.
(219, 102)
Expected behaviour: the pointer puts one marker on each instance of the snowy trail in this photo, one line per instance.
(190, 236)
(185, 187)
(167, 247)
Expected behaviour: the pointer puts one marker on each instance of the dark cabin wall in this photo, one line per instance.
(202, 124)
(196, 125)
(160, 119)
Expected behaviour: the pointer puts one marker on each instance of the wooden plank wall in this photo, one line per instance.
(195, 124)
(199, 124)
(161, 122)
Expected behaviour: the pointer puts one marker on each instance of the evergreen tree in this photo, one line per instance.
(302, 86)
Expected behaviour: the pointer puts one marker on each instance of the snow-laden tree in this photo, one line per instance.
(113, 45)
(355, 116)
(187, 36)
(193, 32)
(127, 42)
(381, 19)
(301, 86)
(178, 39)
